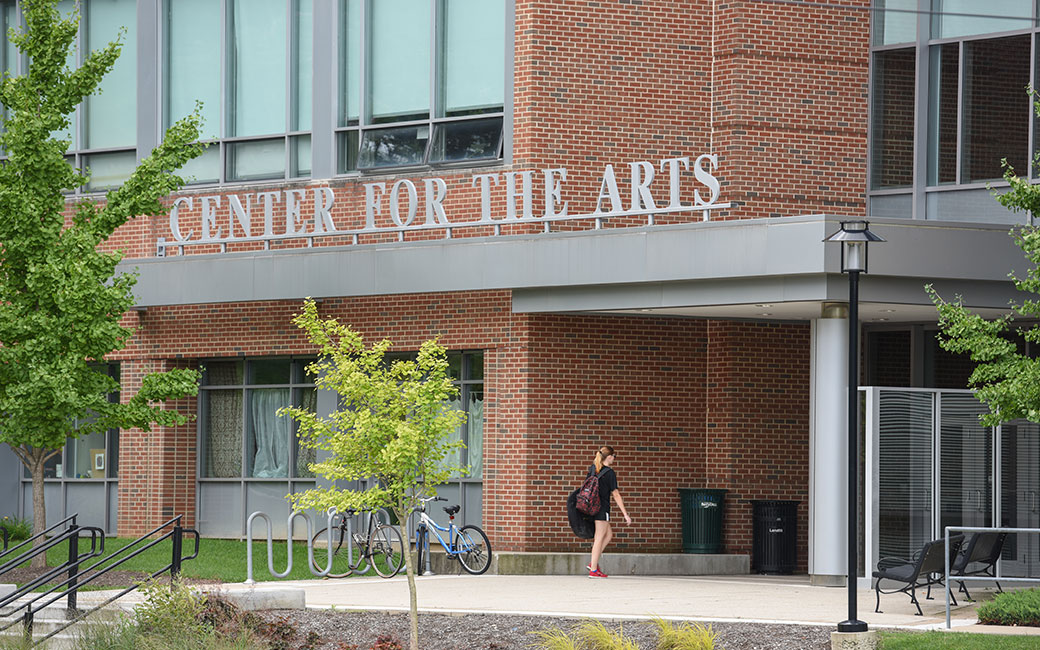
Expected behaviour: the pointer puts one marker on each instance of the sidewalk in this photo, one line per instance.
(766, 599)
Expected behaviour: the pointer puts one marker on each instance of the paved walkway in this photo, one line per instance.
(781, 599)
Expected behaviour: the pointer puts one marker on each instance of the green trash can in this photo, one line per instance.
(701, 519)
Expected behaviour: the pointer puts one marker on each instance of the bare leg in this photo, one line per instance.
(603, 536)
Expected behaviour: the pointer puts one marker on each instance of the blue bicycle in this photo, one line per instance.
(469, 545)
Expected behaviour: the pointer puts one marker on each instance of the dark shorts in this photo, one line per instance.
(602, 515)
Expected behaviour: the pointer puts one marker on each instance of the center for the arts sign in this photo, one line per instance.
(412, 206)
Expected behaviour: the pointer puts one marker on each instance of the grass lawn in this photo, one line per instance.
(956, 641)
(219, 559)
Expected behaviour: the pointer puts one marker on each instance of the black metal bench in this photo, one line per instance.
(978, 557)
(924, 570)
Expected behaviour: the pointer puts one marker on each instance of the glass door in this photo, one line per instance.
(1020, 496)
(965, 463)
(905, 460)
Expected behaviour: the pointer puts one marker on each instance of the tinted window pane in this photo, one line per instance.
(110, 169)
(303, 64)
(476, 365)
(895, 21)
(474, 56)
(222, 433)
(273, 371)
(399, 59)
(267, 451)
(943, 76)
(301, 155)
(350, 62)
(111, 118)
(393, 147)
(256, 67)
(192, 62)
(255, 160)
(476, 140)
(205, 168)
(892, 137)
(997, 108)
(946, 24)
(223, 373)
(348, 152)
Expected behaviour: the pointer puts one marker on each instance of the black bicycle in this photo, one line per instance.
(353, 552)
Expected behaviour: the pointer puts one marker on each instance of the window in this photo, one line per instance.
(952, 18)
(103, 129)
(254, 80)
(421, 82)
(91, 456)
(955, 103)
(892, 113)
(242, 435)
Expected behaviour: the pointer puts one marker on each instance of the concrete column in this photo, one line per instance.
(828, 446)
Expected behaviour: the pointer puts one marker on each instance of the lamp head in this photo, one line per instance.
(854, 237)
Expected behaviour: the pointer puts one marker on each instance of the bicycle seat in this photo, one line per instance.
(451, 510)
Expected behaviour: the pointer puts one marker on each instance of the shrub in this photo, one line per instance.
(684, 637)
(387, 642)
(589, 635)
(1012, 608)
(17, 529)
(170, 611)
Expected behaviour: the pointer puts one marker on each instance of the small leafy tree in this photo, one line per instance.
(392, 424)
(1007, 381)
(61, 301)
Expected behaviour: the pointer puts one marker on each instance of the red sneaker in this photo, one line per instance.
(597, 574)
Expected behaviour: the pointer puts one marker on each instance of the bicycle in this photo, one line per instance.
(381, 548)
(469, 545)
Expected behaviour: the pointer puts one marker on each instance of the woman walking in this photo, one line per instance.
(608, 488)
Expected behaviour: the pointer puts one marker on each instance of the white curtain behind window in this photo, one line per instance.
(270, 432)
(475, 446)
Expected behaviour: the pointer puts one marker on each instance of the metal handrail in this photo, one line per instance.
(977, 529)
(75, 580)
(8, 566)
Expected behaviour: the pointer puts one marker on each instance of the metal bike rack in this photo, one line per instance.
(311, 564)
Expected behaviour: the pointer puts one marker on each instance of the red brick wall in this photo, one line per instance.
(757, 423)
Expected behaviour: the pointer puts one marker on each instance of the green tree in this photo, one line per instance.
(61, 301)
(392, 424)
(1006, 380)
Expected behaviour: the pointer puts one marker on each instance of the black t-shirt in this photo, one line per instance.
(607, 484)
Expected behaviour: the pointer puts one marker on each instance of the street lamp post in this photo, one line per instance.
(854, 237)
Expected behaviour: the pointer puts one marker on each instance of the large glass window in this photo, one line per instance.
(953, 18)
(250, 63)
(242, 435)
(892, 112)
(895, 22)
(422, 82)
(103, 130)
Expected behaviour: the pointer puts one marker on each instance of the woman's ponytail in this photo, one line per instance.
(601, 455)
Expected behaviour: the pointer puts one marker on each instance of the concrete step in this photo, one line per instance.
(56, 615)
(635, 564)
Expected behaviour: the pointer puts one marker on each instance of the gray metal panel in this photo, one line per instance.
(324, 89)
(270, 498)
(113, 509)
(149, 74)
(758, 252)
(89, 500)
(220, 510)
(10, 473)
(52, 492)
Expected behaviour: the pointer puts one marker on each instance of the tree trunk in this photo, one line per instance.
(38, 457)
(409, 568)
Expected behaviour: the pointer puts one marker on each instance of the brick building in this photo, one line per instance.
(611, 213)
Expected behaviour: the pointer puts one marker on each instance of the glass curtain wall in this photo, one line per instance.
(978, 59)
(421, 82)
(249, 62)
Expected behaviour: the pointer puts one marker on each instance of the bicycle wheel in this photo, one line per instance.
(474, 550)
(340, 566)
(387, 550)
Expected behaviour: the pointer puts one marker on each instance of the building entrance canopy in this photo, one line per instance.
(774, 268)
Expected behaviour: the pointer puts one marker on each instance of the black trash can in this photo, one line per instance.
(701, 519)
(774, 536)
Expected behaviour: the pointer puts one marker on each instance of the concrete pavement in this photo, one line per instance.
(772, 599)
